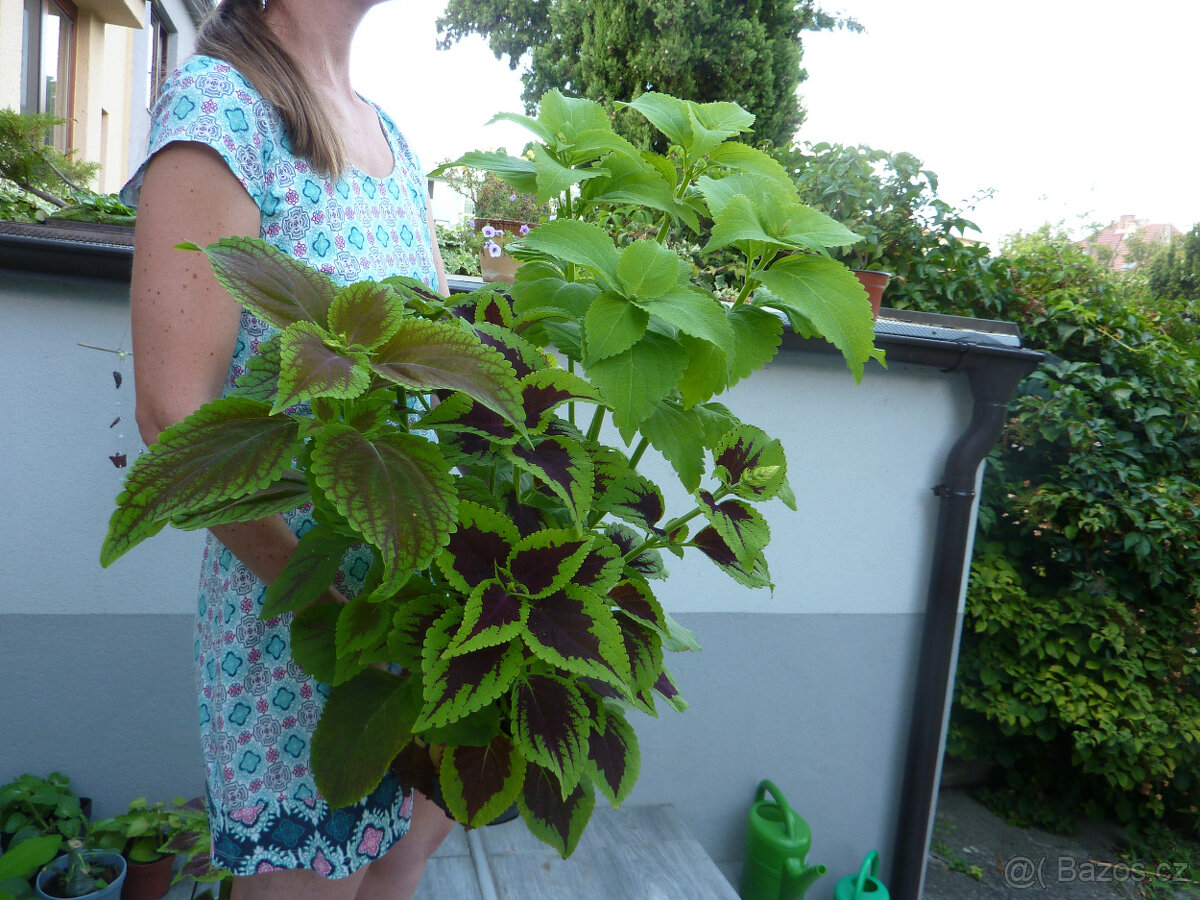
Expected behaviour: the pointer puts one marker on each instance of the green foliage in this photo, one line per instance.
(460, 246)
(31, 806)
(701, 50)
(29, 162)
(516, 595)
(1079, 668)
(1174, 272)
(892, 201)
(148, 831)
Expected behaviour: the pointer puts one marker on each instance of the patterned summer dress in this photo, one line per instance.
(257, 708)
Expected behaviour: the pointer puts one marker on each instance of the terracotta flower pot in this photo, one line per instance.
(498, 268)
(148, 881)
(874, 282)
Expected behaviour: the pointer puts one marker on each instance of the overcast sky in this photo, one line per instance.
(1074, 110)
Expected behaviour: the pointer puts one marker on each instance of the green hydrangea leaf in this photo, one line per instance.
(540, 290)
(695, 312)
(743, 158)
(828, 295)
(309, 368)
(668, 114)
(714, 122)
(544, 134)
(642, 183)
(634, 382)
(366, 314)
(363, 624)
(557, 822)
(275, 287)
(227, 449)
(427, 356)
(550, 726)
(612, 326)
(553, 178)
(516, 171)
(568, 117)
(396, 491)
(707, 373)
(757, 335)
(593, 143)
(369, 720)
(647, 269)
(580, 243)
(678, 435)
(479, 783)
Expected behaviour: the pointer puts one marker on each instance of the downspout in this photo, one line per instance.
(993, 375)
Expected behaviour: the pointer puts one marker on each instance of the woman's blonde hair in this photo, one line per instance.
(236, 32)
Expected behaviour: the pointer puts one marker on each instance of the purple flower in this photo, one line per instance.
(524, 230)
(471, 224)
(489, 231)
(512, 197)
(499, 231)
(493, 249)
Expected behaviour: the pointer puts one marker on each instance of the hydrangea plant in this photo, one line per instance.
(512, 592)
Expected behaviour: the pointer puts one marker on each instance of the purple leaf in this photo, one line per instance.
(492, 616)
(665, 687)
(548, 389)
(546, 560)
(635, 599)
(460, 413)
(742, 528)
(613, 761)
(523, 356)
(550, 725)
(715, 547)
(117, 379)
(479, 783)
(556, 821)
(751, 462)
(564, 467)
(602, 566)
(457, 686)
(644, 649)
(574, 630)
(478, 548)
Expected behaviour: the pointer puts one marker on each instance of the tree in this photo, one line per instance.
(1174, 272)
(748, 51)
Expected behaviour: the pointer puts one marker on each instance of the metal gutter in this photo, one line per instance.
(70, 249)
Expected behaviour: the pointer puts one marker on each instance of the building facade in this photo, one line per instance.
(96, 64)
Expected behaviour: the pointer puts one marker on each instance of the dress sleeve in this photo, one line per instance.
(208, 102)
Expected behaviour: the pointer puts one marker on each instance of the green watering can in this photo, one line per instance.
(862, 886)
(777, 840)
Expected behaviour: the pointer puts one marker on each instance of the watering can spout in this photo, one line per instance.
(797, 879)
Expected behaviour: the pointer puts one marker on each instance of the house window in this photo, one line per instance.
(47, 61)
(160, 32)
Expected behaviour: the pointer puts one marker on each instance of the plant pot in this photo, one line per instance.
(510, 226)
(498, 268)
(874, 282)
(111, 892)
(148, 881)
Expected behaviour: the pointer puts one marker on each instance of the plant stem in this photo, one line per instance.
(638, 451)
(665, 229)
(597, 420)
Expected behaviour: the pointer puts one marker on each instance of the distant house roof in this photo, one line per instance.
(1116, 239)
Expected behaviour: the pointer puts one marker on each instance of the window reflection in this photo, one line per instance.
(55, 76)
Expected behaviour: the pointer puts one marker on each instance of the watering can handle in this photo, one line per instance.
(768, 787)
(870, 861)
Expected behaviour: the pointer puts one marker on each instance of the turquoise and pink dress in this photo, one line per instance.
(257, 708)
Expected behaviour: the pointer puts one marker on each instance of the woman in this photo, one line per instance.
(261, 134)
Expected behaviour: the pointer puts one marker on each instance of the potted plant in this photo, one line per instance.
(32, 806)
(149, 836)
(83, 874)
(515, 555)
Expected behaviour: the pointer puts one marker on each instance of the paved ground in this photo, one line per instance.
(1025, 863)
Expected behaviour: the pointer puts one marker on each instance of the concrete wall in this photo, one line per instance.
(810, 686)
(10, 54)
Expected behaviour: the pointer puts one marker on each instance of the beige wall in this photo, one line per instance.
(10, 54)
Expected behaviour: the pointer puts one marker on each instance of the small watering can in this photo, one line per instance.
(862, 886)
(777, 840)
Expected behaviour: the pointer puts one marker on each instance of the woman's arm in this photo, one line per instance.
(443, 286)
(184, 324)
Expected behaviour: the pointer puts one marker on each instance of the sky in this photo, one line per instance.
(1077, 111)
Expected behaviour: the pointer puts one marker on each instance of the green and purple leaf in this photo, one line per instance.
(308, 573)
(575, 630)
(396, 491)
(275, 287)
(290, 491)
(648, 563)
(366, 314)
(421, 604)
(491, 616)
(369, 720)
(751, 462)
(478, 548)
(479, 783)
(643, 646)
(225, 450)
(550, 726)
(562, 465)
(613, 759)
(636, 600)
(459, 413)
(742, 527)
(455, 687)
(711, 544)
(447, 354)
(546, 560)
(552, 819)
(363, 624)
(666, 688)
(260, 381)
(601, 568)
(546, 390)
(523, 356)
(309, 368)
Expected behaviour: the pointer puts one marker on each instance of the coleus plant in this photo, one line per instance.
(509, 619)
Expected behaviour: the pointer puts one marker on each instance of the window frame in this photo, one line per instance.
(34, 14)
